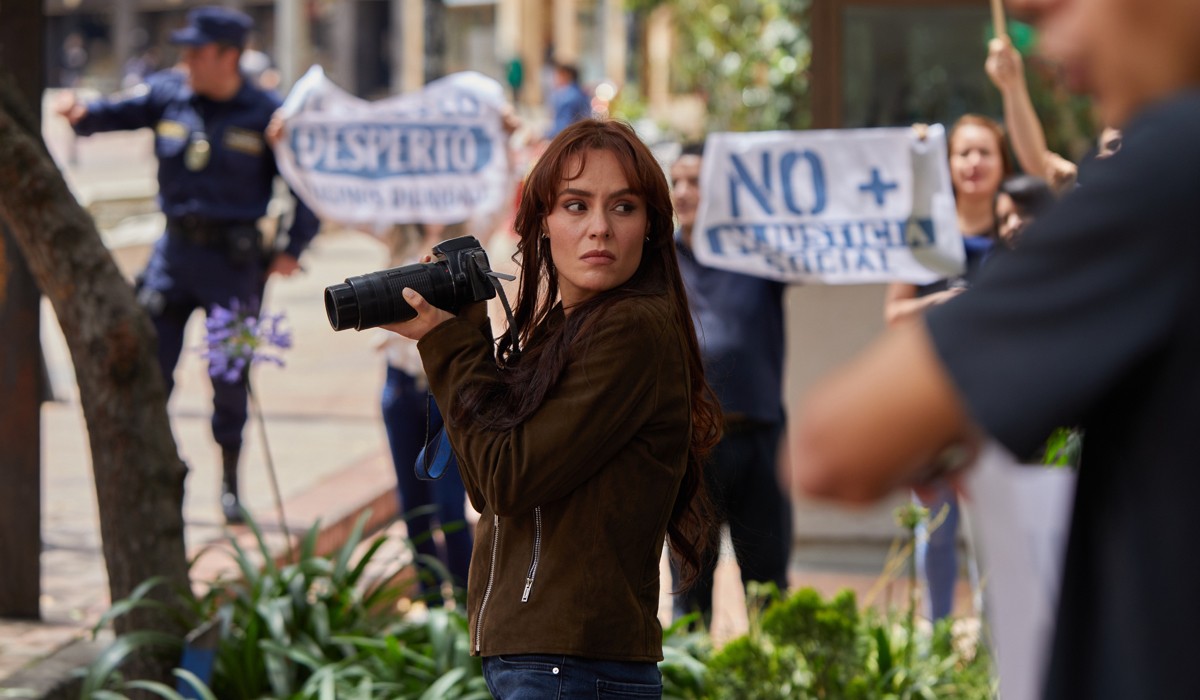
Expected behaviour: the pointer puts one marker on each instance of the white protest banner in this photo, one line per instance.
(433, 156)
(1021, 515)
(843, 206)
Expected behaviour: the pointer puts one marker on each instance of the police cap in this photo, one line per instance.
(214, 25)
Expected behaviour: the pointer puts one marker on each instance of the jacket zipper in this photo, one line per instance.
(537, 552)
(487, 592)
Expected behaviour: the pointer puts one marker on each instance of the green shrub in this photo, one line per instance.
(324, 627)
(807, 647)
(320, 627)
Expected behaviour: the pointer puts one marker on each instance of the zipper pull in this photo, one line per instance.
(528, 585)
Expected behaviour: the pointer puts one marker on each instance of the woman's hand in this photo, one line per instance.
(943, 296)
(69, 107)
(1004, 65)
(276, 129)
(428, 317)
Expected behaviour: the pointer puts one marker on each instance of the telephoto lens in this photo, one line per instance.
(375, 299)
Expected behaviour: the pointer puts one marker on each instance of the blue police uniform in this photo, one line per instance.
(215, 178)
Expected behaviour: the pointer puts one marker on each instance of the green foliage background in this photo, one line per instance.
(748, 58)
(751, 60)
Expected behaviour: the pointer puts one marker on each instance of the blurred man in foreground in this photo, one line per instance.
(1095, 321)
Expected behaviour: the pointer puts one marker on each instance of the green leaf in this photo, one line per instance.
(365, 559)
(133, 602)
(105, 665)
(295, 654)
(195, 683)
(268, 560)
(308, 546)
(883, 648)
(441, 687)
(160, 689)
(347, 550)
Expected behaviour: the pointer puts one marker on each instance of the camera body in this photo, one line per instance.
(459, 275)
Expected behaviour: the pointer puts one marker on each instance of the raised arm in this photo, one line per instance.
(1007, 72)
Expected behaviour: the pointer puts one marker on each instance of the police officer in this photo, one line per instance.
(215, 177)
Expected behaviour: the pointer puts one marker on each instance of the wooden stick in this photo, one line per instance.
(998, 23)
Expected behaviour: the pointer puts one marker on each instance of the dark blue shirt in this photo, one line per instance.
(1094, 320)
(570, 105)
(979, 249)
(236, 184)
(739, 322)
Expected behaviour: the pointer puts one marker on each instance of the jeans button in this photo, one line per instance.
(555, 671)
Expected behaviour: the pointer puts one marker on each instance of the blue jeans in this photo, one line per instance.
(937, 552)
(555, 677)
(426, 505)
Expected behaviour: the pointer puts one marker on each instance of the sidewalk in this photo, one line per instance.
(322, 424)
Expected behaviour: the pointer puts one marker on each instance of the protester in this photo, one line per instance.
(73, 61)
(583, 449)
(1095, 321)
(215, 180)
(739, 320)
(978, 163)
(568, 100)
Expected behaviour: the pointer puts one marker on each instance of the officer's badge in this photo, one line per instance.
(195, 158)
(172, 130)
(243, 141)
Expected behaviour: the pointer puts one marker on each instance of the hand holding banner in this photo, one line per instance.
(434, 156)
(835, 207)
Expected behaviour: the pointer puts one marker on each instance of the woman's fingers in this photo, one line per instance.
(415, 300)
(428, 317)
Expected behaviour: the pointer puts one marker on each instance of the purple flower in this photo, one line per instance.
(237, 338)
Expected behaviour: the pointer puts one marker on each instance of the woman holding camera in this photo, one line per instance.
(582, 448)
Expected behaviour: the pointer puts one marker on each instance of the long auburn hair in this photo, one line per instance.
(530, 372)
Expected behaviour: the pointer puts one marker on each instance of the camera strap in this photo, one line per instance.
(437, 455)
(495, 278)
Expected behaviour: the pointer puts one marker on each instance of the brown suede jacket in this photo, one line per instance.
(575, 501)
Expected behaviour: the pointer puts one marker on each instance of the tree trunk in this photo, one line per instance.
(23, 388)
(139, 475)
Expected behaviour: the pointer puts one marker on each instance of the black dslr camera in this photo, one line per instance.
(459, 275)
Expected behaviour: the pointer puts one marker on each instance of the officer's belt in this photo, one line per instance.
(206, 232)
